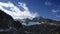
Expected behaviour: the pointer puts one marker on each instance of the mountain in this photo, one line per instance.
(40, 25)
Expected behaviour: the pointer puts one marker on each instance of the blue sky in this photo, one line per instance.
(45, 8)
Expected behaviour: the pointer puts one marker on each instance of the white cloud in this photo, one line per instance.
(58, 15)
(15, 12)
(48, 3)
(55, 11)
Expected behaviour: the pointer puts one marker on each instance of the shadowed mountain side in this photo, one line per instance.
(7, 22)
(5, 19)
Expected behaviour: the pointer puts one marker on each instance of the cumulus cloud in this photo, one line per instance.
(15, 12)
(48, 3)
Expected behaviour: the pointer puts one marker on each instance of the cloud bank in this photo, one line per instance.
(15, 11)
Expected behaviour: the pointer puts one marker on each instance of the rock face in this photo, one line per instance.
(7, 22)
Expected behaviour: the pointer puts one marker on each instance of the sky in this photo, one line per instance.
(45, 8)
